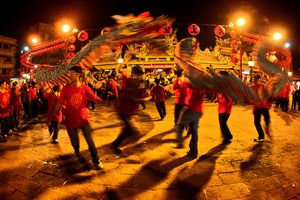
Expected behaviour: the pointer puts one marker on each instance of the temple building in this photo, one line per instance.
(158, 55)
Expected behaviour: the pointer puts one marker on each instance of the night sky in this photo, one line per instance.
(263, 16)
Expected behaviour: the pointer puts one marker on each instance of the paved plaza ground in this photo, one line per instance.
(150, 168)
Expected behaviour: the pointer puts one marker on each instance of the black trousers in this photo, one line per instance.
(294, 103)
(16, 115)
(284, 104)
(257, 116)
(161, 108)
(26, 107)
(223, 118)
(88, 102)
(4, 125)
(54, 128)
(35, 108)
(126, 132)
(177, 110)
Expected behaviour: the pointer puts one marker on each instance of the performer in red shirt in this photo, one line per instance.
(224, 110)
(180, 94)
(260, 108)
(52, 97)
(159, 98)
(190, 115)
(4, 110)
(130, 96)
(74, 96)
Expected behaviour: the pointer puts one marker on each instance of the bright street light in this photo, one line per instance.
(26, 48)
(277, 36)
(241, 22)
(287, 45)
(120, 60)
(34, 40)
(251, 63)
(66, 28)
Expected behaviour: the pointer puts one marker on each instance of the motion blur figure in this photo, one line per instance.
(130, 96)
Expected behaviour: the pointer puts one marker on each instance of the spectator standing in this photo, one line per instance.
(4, 110)
(16, 105)
(33, 101)
(25, 100)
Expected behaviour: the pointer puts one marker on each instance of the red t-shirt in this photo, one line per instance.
(194, 97)
(113, 89)
(32, 94)
(180, 92)
(16, 100)
(225, 104)
(52, 100)
(5, 104)
(286, 92)
(262, 102)
(159, 93)
(129, 91)
(74, 99)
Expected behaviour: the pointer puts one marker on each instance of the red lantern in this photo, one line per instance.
(70, 55)
(72, 39)
(72, 47)
(105, 30)
(234, 51)
(82, 36)
(220, 31)
(166, 30)
(233, 34)
(234, 60)
(194, 29)
(234, 43)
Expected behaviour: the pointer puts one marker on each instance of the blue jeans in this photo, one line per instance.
(73, 134)
(189, 118)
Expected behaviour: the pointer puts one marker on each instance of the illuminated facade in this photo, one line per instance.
(8, 49)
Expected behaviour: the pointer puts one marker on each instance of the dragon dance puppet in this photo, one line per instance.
(130, 29)
(230, 85)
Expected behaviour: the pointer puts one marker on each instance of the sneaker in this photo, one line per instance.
(98, 165)
(259, 139)
(116, 149)
(3, 140)
(194, 155)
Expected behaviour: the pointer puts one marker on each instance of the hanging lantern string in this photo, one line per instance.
(186, 24)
